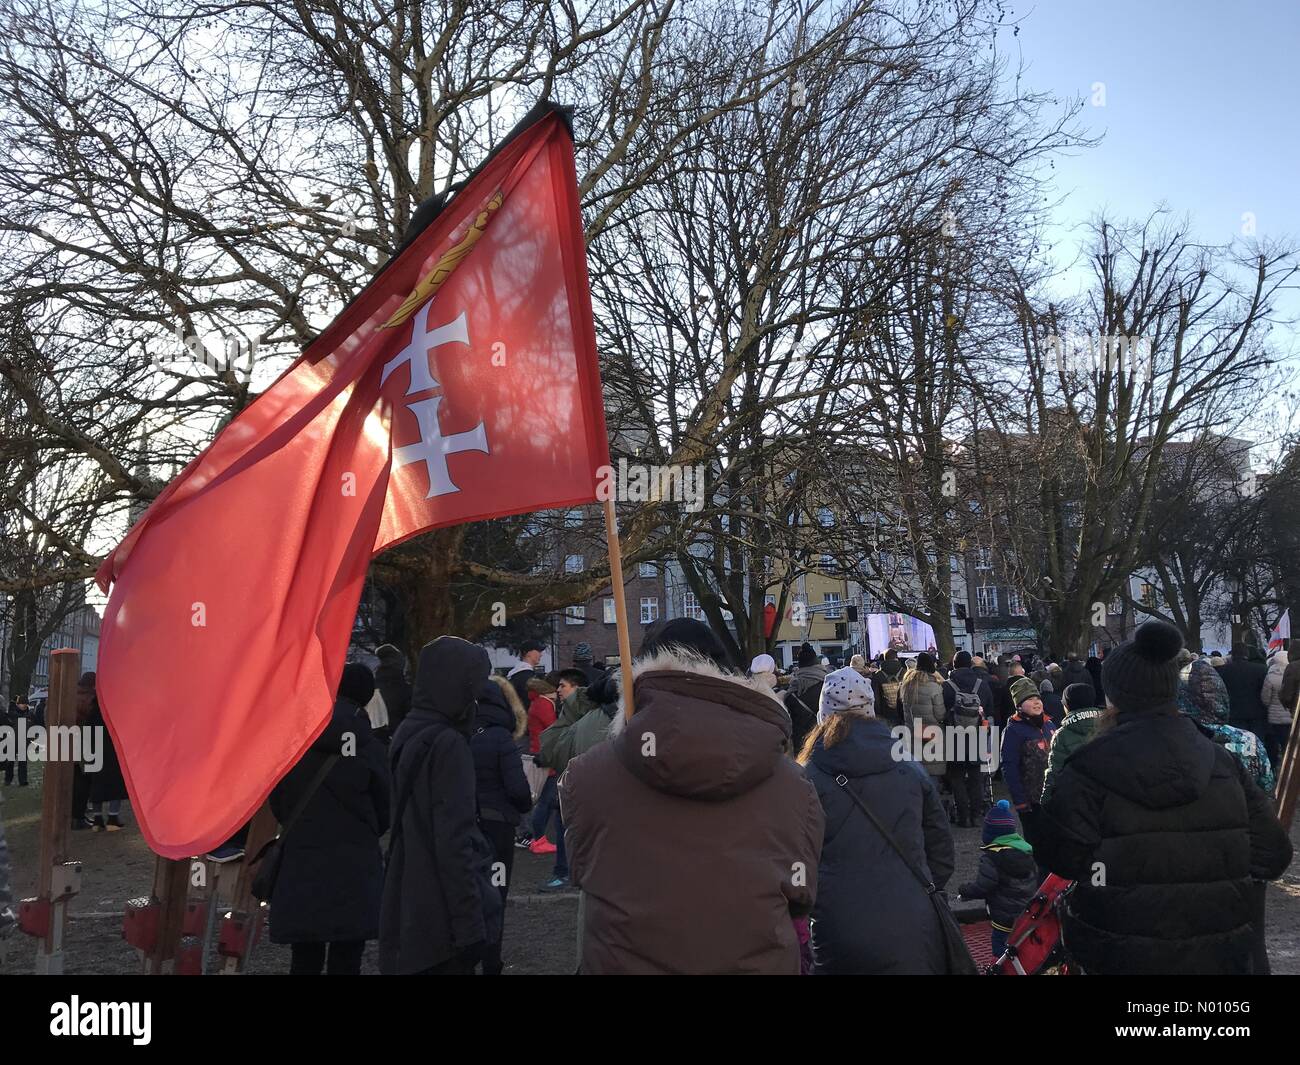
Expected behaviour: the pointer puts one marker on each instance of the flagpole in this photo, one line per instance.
(620, 606)
(1288, 778)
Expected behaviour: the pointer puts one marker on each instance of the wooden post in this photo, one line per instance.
(1288, 778)
(620, 606)
(56, 807)
(243, 907)
(171, 880)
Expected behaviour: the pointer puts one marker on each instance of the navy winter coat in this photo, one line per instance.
(871, 914)
(1026, 742)
(502, 788)
(332, 871)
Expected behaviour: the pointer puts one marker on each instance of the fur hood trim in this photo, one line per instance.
(679, 661)
(513, 701)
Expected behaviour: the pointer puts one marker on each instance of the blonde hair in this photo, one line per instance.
(834, 729)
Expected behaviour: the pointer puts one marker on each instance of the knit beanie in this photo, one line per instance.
(925, 662)
(357, 683)
(763, 664)
(1142, 674)
(1078, 696)
(999, 821)
(807, 656)
(1023, 688)
(846, 690)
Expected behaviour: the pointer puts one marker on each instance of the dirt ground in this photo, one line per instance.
(540, 931)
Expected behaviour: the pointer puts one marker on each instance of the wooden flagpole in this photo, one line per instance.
(1288, 778)
(60, 878)
(620, 606)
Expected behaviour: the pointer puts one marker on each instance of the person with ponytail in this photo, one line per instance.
(871, 915)
(1162, 828)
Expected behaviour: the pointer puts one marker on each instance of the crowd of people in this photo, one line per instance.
(738, 824)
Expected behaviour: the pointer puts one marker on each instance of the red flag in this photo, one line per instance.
(462, 384)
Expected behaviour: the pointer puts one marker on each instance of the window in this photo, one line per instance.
(982, 558)
(647, 569)
(905, 564)
(832, 601)
(573, 519)
(825, 518)
(691, 607)
(572, 563)
(1016, 604)
(649, 609)
(575, 615)
(1116, 607)
(769, 600)
(987, 599)
(611, 617)
(954, 564)
(1147, 593)
(827, 564)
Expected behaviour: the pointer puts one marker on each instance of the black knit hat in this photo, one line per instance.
(1142, 674)
(357, 683)
(807, 656)
(1078, 696)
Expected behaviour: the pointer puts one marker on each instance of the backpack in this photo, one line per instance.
(966, 706)
(1035, 946)
(889, 694)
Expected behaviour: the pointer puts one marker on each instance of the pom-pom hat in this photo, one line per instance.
(1141, 676)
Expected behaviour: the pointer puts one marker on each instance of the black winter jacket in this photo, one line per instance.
(1164, 831)
(502, 788)
(1006, 880)
(332, 871)
(1244, 681)
(438, 900)
(871, 915)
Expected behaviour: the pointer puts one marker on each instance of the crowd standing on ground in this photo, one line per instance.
(735, 824)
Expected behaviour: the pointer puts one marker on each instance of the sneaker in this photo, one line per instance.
(542, 846)
(114, 823)
(560, 883)
(96, 823)
(227, 852)
(524, 842)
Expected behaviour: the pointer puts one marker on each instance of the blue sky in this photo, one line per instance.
(1201, 111)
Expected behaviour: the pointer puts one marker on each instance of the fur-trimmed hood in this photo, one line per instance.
(684, 662)
(700, 732)
(512, 701)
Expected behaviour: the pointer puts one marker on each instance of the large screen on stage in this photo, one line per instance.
(902, 632)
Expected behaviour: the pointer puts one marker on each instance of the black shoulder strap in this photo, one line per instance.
(306, 796)
(843, 782)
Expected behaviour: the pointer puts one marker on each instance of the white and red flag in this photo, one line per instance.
(462, 384)
(1281, 632)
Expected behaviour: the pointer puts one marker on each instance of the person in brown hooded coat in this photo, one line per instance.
(692, 833)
